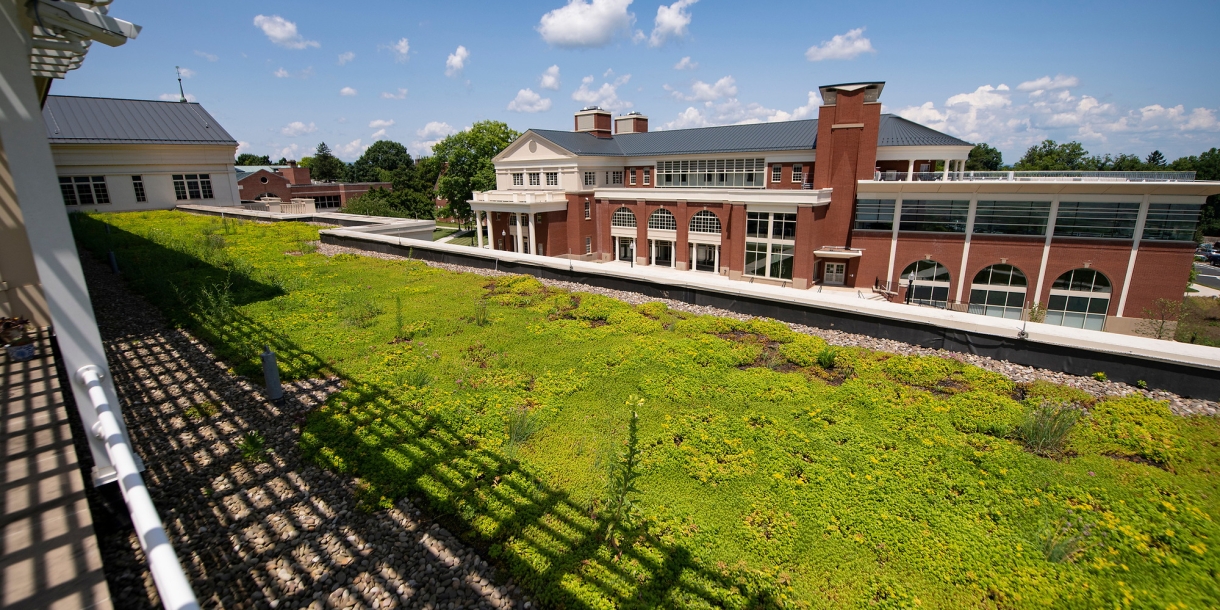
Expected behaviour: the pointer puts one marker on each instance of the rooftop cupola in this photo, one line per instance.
(632, 122)
(594, 120)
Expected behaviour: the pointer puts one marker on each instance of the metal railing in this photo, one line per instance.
(1044, 176)
(172, 584)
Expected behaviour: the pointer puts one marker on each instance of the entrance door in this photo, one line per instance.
(626, 249)
(663, 253)
(835, 273)
(705, 257)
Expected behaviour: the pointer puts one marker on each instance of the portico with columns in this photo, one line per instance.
(511, 219)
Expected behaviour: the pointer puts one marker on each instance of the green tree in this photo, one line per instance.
(251, 159)
(383, 155)
(1050, 156)
(305, 161)
(282, 161)
(402, 204)
(466, 160)
(326, 166)
(984, 158)
(1206, 167)
(1156, 160)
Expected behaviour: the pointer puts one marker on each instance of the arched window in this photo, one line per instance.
(623, 217)
(662, 220)
(998, 290)
(1080, 298)
(704, 222)
(929, 283)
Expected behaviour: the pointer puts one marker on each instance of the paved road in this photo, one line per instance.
(1208, 275)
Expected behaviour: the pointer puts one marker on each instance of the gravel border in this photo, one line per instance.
(277, 533)
(1016, 372)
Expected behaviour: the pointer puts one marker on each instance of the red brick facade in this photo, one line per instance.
(289, 183)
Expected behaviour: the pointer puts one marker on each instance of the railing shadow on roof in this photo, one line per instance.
(1034, 176)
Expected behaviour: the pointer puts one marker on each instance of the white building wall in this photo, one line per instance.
(156, 164)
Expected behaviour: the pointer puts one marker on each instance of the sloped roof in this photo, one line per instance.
(109, 120)
(755, 137)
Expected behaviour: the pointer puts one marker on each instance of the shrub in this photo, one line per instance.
(827, 357)
(253, 446)
(623, 475)
(1099, 376)
(1047, 426)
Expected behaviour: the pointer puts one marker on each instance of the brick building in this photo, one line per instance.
(854, 198)
(292, 181)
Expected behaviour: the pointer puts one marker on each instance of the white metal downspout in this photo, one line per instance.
(172, 585)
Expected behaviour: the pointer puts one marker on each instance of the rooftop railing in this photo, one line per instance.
(519, 196)
(1044, 176)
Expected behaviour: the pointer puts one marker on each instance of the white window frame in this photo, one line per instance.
(518, 179)
(590, 179)
(772, 246)
(777, 172)
(535, 179)
(137, 185)
(798, 172)
(588, 210)
(647, 177)
(552, 178)
(616, 177)
(631, 177)
(588, 245)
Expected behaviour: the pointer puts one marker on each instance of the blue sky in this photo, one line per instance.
(283, 76)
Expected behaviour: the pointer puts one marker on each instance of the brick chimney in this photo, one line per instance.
(848, 122)
(294, 174)
(594, 120)
(632, 122)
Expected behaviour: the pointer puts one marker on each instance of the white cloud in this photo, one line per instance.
(703, 92)
(586, 24)
(207, 56)
(686, 64)
(347, 92)
(401, 95)
(1047, 83)
(528, 101)
(289, 152)
(346, 57)
(379, 123)
(281, 73)
(605, 96)
(841, 46)
(185, 72)
(283, 32)
(401, 50)
(1047, 108)
(671, 22)
(732, 111)
(243, 146)
(377, 134)
(297, 128)
(456, 61)
(351, 150)
(174, 97)
(429, 135)
(550, 78)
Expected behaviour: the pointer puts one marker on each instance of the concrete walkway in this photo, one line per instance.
(50, 555)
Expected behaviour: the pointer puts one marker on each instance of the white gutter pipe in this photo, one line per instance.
(172, 584)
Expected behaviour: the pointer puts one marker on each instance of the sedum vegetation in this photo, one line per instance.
(766, 470)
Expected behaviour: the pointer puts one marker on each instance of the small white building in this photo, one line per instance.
(118, 155)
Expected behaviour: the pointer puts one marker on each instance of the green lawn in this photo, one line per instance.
(441, 233)
(766, 478)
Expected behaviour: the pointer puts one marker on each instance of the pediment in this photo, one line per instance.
(532, 147)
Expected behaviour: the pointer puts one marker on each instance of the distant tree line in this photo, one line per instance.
(1071, 156)
(459, 165)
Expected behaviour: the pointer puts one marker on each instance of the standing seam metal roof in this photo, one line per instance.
(110, 120)
(754, 137)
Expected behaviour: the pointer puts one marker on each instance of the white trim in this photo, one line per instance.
(1135, 248)
(889, 271)
(703, 238)
(961, 284)
(1046, 247)
(662, 234)
(780, 197)
(631, 232)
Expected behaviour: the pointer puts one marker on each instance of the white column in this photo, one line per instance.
(911, 170)
(961, 284)
(533, 241)
(652, 251)
(889, 272)
(947, 162)
(520, 235)
(35, 187)
(478, 228)
(1046, 248)
(1135, 248)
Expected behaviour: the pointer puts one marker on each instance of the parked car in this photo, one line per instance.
(1214, 258)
